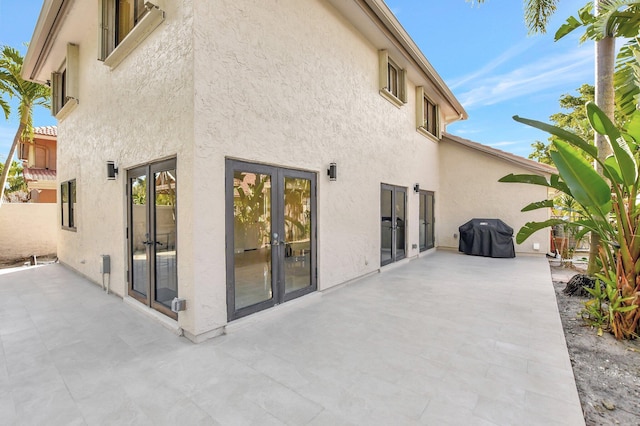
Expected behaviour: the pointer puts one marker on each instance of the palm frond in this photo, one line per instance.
(619, 18)
(537, 14)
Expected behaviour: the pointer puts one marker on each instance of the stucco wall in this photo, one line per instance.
(300, 90)
(469, 188)
(139, 112)
(27, 229)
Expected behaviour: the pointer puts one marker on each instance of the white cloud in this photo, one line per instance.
(505, 143)
(530, 78)
(504, 57)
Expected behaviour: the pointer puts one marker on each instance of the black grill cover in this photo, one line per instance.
(486, 237)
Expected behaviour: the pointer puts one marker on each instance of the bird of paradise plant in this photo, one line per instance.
(609, 203)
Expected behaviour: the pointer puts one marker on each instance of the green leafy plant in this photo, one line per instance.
(608, 203)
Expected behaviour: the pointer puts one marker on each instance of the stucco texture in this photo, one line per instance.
(139, 112)
(299, 89)
(285, 83)
(27, 229)
(469, 188)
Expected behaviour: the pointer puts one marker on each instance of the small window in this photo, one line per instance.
(124, 24)
(127, 15)
(427, 114)
(64, 96)
(393, 80)
(68, 204)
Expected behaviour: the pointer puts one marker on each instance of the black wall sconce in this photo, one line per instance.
(332, 171)
(112, 170)
(416, 188)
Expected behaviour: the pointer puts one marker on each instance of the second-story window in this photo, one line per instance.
(393, 80)
(64, 84)
(127, 14)
(121, 18)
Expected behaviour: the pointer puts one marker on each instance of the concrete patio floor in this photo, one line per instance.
(444, 339)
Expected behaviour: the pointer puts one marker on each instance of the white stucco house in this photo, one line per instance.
(240, 154)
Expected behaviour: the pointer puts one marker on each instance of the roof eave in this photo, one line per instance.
(45, 32)
(390, 21)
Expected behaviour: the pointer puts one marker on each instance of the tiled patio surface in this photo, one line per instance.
(445, 339)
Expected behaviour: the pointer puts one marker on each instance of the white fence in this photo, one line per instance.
(27, 229)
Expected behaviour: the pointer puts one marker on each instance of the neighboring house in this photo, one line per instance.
(223, 120)
(39, 164)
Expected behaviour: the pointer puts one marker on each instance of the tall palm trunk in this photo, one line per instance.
(604, 98)
(7, 164)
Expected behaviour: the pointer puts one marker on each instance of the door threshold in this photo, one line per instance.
(394, 265)
(260, 316)
(164, 320)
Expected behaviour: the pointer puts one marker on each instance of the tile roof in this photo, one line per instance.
(38, 174)
(524, 162)
(46, 130)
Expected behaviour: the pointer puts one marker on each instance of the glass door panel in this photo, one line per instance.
(139, 235)
(252, 238)
(166, 277)
(270, 222)
(297, 233)
(393, 223)
(400, 221)
(431, 241)
(386, 210)
(423, 221)
(152, 224)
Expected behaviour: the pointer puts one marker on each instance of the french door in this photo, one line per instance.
(427, 220)
(393, 223)
(271, 236)
(152, 204)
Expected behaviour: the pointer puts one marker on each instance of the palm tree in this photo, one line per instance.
(537, 14)
(29, 94)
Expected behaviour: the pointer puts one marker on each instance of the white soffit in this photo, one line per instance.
(60, 22)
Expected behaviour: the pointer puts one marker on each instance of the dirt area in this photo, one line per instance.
(12, 263)
(607, 371)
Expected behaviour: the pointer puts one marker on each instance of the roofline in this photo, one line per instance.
(511, 158)
(45, 32)
(390, 22)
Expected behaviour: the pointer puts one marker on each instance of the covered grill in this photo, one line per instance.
(486, 237)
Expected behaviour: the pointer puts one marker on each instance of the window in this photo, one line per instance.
(64, 84)
(393, 80)
(124, 24)
(68, 204)
(427, 114)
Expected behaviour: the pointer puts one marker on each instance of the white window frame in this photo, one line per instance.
(64, 84)
(421, 125)
(112, 53)
(398, 98)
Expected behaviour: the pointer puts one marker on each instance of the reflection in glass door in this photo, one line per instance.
(270, 236)
(393, 223)
(152, 235)
(427, 219)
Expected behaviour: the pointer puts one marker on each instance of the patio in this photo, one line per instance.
(444, 339)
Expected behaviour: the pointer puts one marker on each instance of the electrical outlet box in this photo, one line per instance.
(536, 246)
(178, 305)
(105, 264)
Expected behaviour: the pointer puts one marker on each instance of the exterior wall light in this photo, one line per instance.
(416, 188)
(112, 170)
(332, 171)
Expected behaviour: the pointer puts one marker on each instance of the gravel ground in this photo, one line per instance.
(607, 371)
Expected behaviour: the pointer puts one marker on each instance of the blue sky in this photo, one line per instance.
(482, 52)
(494, 68)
